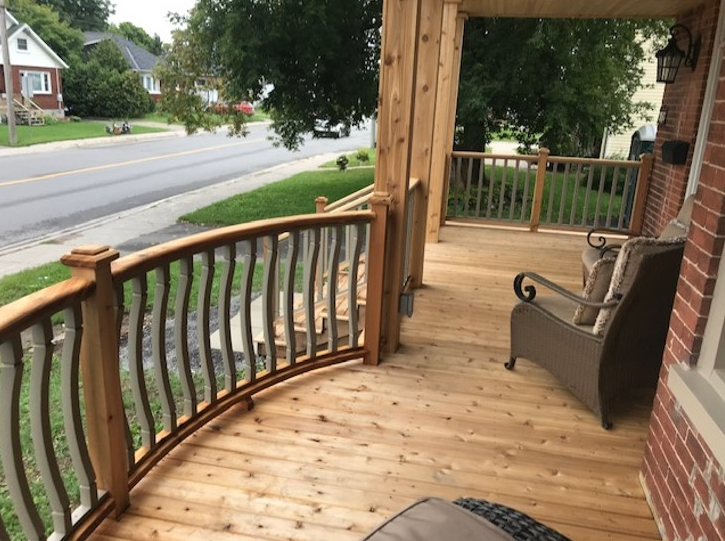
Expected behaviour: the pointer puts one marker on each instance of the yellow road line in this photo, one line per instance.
(130, 162)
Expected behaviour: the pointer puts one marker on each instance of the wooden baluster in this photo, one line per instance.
(525, 198)
(575, 197)
(40, 426)
(640, 193)
(136, 362)
(250, 263)
(600, 194)
(202, 326)
(479, 184)
(289, 296)
(562, 198)
(375, 264)
(158, 346)
(502, 193)
(313, 241)
(491, 183)
(333, 269)
(269, 292)
(539, 189)
(612, 193)
(100, 369)
(358, 231)
(11, 364)
(225, 329)
(119, 307)
(469, 179)
(514, 188)
(181, 326)
(72, 421)
(625, 197)
(590, 183)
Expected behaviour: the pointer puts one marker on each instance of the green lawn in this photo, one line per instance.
(63, 131)
(295, 195)
(354, 159)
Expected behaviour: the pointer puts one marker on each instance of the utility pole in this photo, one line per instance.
(8, 71)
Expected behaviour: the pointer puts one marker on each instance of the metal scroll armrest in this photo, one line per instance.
(601, 241)
(528, 293)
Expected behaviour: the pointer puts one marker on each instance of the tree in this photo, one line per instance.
(557, 83)
(82, 14)
(140, 37)
(309, 60)
(103, 86)
(67, 42)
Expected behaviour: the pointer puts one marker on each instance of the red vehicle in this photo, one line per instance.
(243, 107)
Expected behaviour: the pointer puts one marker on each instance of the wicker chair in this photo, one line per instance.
(624, 346)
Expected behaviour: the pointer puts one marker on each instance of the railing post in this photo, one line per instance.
(375, 268)
(538, 189)
(640, 195)
(320, 204)
(100, 373)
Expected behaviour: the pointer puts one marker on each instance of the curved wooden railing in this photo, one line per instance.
(151, 375)
(551, 191)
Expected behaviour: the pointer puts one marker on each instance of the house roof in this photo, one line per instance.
(15, 27)
(138, 58)
(588, 9)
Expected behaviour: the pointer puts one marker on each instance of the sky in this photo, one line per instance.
(150, 14)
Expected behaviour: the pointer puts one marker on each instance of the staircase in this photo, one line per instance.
(27, 112)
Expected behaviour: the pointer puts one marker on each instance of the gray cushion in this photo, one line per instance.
(435, 520)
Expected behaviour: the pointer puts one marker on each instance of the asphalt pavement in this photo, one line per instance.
(144, 225)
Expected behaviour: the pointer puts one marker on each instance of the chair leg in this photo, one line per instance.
(510, 365)
(606, 423)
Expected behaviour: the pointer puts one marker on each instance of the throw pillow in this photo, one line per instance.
(595, 290)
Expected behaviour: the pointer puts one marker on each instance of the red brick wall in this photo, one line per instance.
(683, 98)
(683, 481)
(46, 101)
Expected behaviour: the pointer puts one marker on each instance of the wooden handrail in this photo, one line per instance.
(534, 158)
(22, 313)
(470, 154)
(358, 197)
(150, 258)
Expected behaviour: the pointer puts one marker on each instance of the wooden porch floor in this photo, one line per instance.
(331, 454)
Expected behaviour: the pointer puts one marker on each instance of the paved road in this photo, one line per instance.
(49, 191)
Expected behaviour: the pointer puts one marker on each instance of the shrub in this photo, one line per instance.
(363, 155)
(342, 162)
(74, 118)
(50, 120)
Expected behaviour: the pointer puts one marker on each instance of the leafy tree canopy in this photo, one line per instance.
(82, 14)
(310, 60)
(67, 42)
(139, 36)
(557, 83)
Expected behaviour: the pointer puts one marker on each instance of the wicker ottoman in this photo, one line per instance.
(466, 519)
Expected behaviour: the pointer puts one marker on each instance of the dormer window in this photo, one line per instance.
(22, 44)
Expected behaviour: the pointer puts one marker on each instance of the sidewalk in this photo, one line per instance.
(146, 225)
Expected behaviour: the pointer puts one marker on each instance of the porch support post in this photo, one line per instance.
(444, 123)
(426, 87)
(396, 101)
(100, 373)
(640, 194)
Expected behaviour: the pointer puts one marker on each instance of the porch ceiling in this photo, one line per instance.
(579, 9)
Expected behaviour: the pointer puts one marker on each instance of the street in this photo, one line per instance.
(44, 192)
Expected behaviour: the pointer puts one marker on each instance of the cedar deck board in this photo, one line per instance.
(347, 446)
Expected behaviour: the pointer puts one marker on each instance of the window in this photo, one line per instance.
(37, 81)
(22, 44)
(150, 84)
(701, 391)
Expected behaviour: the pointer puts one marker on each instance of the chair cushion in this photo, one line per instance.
(673, 229)
(435, 519)
(589, 257)
(595, 290)
(625, 268)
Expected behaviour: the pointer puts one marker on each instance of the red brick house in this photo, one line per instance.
(34, 62)
(684, 464)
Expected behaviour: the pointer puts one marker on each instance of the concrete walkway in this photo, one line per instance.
(144, 226)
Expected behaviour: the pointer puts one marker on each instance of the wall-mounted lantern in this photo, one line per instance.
(669, 58)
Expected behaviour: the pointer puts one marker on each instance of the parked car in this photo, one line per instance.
(243, 107)
(326, 129)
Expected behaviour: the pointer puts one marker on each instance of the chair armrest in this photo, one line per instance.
(601, 241)
(528, 293)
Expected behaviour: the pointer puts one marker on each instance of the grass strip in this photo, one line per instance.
(64, 131)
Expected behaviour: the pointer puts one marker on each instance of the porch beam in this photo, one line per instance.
(426, 87)
(396, 101)
(444, 124)
(580, 9)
